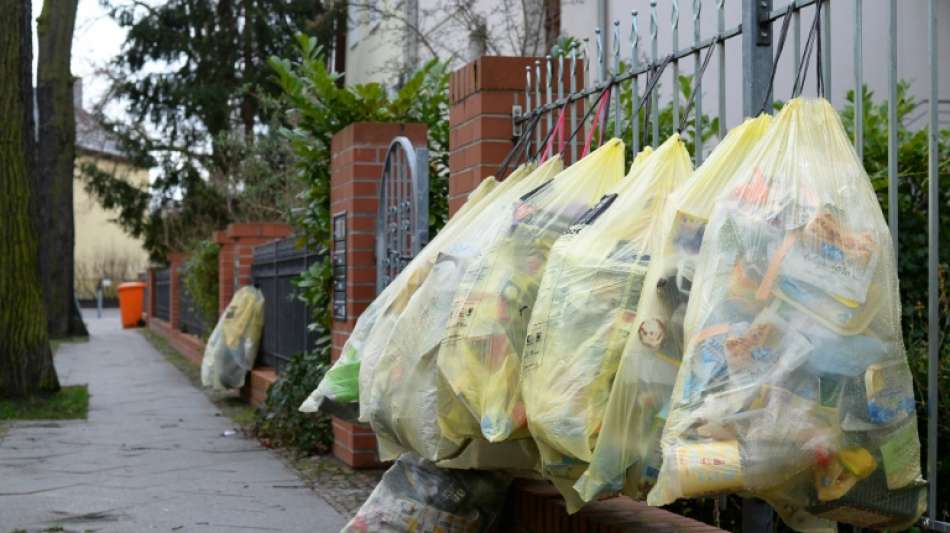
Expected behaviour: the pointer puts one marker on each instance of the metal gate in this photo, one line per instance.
(402, 223)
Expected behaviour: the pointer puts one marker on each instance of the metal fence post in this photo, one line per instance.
(756, 71)
(756, 54)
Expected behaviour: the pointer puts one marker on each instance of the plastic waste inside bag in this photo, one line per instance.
(480, 356)
(232, 347)
(417, 496)
(338, 391)
(404, 395)
(586, 309)
(795, 385)
(626, 455)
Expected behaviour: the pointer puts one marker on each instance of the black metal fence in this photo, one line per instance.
(190, 320)
(163, 282)
(286, 318)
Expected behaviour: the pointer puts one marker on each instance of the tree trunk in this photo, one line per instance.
(56, 165)
(26, 364)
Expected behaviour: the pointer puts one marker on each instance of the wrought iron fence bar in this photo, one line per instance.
(573, 89)
(721, 57)
(634, 81)
(654, 45)
(892, 125)
(797, 43)
(826, 48)
(626, 76)
(537, 101)
(547, 88)
(858, 79)
(697, 86)
(618, 112)
(674, 22)
(933, 248)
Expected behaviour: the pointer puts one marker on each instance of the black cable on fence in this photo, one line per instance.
(692, 95)
(778, 54)
(799, 84)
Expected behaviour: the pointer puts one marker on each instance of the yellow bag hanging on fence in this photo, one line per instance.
(480, 356)
(795, 385)
(585, 310)
(401, 394)
(338, 391)
(639, 399)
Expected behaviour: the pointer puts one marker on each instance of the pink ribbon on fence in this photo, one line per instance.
(601, 105)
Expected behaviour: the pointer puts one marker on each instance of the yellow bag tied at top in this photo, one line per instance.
(794, 385)
(626, 455)
(401, 395)
(480, 356)
(341, 382)
(586, 309)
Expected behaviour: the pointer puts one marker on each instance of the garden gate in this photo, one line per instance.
(402, 223)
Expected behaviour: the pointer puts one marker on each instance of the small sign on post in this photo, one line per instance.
(339, 266)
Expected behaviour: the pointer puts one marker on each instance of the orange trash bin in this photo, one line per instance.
(131, 297)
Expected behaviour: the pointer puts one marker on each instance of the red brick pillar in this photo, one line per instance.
(236, 254)
(359, 151)
(481, 96)
(175, 261)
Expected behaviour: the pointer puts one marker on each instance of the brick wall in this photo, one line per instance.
(237, 241)
(358, 154)
(481, 96)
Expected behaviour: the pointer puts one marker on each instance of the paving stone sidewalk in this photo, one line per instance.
(153, 455)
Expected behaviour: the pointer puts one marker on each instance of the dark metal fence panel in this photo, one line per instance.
(163, 293)
(286, 318)
(190, 319)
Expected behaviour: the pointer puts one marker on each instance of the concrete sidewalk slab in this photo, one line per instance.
(153, 455)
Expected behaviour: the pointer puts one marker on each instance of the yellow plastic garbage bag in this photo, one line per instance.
(404, 394)
(795, 385)
(338, 391)
(586, 308)
(232, 346)
(480, 356)
(627, 451)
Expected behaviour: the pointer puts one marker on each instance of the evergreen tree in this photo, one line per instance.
(211, 81)
(26, 363)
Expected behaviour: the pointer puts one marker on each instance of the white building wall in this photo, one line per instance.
(376, 47)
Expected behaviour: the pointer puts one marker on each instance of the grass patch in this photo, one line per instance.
(230, 404)
(69, 403)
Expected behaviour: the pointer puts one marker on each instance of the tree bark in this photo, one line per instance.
(26, 364)
(56, 166)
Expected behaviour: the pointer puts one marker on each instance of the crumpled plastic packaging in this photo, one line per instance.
(232, 347)
(402, 395)
(414, 495)
(626, 456)
(480, 356)
(586, 309)
(794, 385)
(338, 391)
